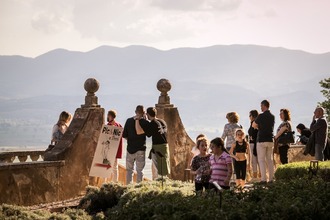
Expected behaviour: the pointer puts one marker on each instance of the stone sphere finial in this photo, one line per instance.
(91, 85)
(164, 85)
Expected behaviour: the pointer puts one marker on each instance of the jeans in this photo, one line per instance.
(140, 158)
(265, 159)
(319, 152)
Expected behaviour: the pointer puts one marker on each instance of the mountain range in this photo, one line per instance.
(206, 84)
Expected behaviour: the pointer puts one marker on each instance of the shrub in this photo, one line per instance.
(100, 199)
(301, 170)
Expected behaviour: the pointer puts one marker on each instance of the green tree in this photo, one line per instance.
(325, 84)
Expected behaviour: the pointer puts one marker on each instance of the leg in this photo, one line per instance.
(154, 166)
(140, 163)
(283, 150)
(270, 159)
(319, 152)
(198, 186)
(244, 164)
(262, 160)
(115, 171)
(129, 167)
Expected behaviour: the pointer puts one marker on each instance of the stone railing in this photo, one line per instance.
(21, 156)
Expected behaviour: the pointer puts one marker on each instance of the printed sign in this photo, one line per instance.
(106, 151)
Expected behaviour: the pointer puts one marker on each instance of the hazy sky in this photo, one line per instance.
(33, 27)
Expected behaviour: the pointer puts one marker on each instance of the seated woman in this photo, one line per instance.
(304, 132)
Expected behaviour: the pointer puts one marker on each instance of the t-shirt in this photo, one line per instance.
(219, 168)
(157, 129)
(135, 142)
(265, 121)
(203, 162)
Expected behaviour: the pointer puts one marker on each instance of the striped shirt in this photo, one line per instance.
(219, 168)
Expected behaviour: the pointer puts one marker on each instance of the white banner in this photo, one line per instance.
(106, 151)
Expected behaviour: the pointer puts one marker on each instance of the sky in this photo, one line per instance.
(33, 27)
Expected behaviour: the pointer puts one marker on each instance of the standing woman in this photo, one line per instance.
(60, 127)
(285, 126)
(111, 121)
(228, 134)
(253, 133)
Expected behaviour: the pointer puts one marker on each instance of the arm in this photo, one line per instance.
(283, 129)
(317, 125)
(229, 174)
(138, 127)
(255, 125)
(248, 155)
(225, 133)
(231, 151)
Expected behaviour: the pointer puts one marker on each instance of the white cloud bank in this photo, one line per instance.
(33, 27)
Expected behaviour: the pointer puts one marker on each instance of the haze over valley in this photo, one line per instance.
(206, 84)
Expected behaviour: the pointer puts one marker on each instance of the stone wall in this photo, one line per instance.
(30, 182)
(180, 144)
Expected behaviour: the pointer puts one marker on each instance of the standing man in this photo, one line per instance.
(136, 146)
(157, 129)
(111, 121)
(319, 127)
(265, 142)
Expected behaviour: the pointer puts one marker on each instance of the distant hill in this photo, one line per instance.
(206, 84)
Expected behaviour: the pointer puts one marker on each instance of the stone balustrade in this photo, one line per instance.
(21, 156)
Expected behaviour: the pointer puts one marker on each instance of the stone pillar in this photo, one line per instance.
(78, 145)
(180, 144)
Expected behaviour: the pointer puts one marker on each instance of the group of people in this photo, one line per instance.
(239, 152)
(213, 163)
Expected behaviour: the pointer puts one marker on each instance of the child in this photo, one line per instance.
(240, 152)
(200, 166)
(221, 164)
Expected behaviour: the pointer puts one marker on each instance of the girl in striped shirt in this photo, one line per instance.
(221, 164)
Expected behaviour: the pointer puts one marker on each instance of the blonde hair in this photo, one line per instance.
(232, 117)
(64, 118)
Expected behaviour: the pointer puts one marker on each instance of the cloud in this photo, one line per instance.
(51, 17)
(197, 5)
(49, 23)
(129, 21)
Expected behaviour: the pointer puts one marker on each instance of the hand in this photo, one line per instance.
(226, 182)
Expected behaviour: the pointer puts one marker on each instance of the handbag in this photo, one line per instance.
(286, 138)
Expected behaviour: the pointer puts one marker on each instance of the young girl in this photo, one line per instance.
(220, 164)
(240, 152)
(200, 166)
